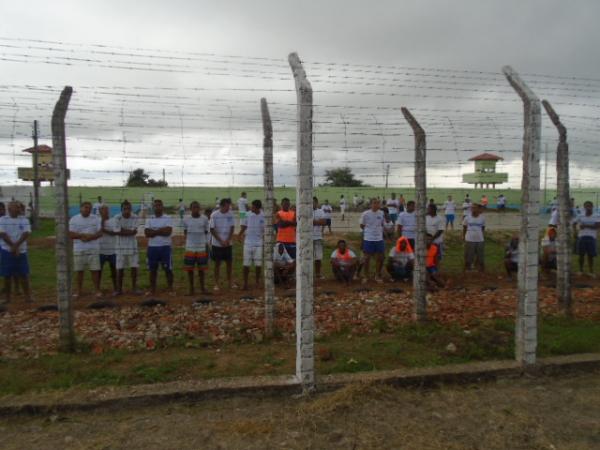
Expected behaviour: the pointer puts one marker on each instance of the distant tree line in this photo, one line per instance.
(139, 178)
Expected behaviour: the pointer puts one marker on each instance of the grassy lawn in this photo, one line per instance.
(407, 346)
(206, 195)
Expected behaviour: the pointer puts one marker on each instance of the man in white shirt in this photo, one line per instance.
(222, 224)
(181, 209)
(434, 225)
(343, 206)
(407, 223)
(14, 232)
(195, 229)
(371, 222)
(473, 229)
(158, 230)
(242, 205)
(450, 212)
(108, 246)
(585, 227)
(327, 211)
(467, 207)
(251, 232)
(85, 229)
(96, 207)
(127, 246)
(318, 224)
(393, 205)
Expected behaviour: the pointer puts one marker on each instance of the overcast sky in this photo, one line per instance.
(356, 54)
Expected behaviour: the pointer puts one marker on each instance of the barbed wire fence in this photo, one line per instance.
(203, 136)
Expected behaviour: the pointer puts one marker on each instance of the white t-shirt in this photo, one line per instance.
(501, 201)
(255, 224)
(327, 210)
(389, 226)
(409, 224)
(155, 223)
(196, 229)
(242, 204)
(401, 257)
(373, 222)
(127, 245)
(433, 225)
(588, 220)
(466, 206)
(341, 260)
(14, 228)
(86, 225)
(181, 206)
(393, 205)
(221, 223)
(108, 242)
(318, 214)
(96, 208)
(449, 207)
(475, 227)
(342, 203)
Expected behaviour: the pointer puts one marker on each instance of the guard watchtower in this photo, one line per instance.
(485, 172)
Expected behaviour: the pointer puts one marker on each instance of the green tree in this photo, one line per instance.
(139, 177)
(342, 177)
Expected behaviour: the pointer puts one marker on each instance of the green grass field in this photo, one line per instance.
(207, 195)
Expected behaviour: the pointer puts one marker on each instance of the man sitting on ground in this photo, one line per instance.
(283, 265)
(401, 260)
(511, 256)
(343, 262)
(548, 256)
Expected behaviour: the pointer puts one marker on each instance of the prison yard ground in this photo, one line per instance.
(524, 413)
(360, 328)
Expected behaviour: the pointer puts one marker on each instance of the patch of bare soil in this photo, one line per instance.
(527, 413)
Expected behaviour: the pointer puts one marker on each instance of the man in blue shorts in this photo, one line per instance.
(158, 230)
(371, 222)
(14, 231)
(588, 224)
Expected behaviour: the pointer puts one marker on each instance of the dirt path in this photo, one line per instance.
(528, 413)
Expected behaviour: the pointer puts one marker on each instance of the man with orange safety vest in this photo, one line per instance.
(401, 260)
(343, 262)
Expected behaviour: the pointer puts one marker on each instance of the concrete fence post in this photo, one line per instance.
(420, 272)
(563, 254)
(527, 309)
(268, 241)
(61, 217)
(305, 360)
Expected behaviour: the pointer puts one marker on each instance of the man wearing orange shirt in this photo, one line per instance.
(285, 219)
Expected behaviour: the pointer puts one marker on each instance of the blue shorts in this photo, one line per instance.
(328, 222)
(160, 256)
(586, 245)
(13, 266)
(432, 270)
(291, 249)
(110, 259)
(372, 247)
(394, 217)
(450, 218)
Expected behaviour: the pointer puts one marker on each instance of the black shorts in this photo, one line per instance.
(222, 253)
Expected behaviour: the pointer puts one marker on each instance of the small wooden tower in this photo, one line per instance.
(485, 172)
(44, 162)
